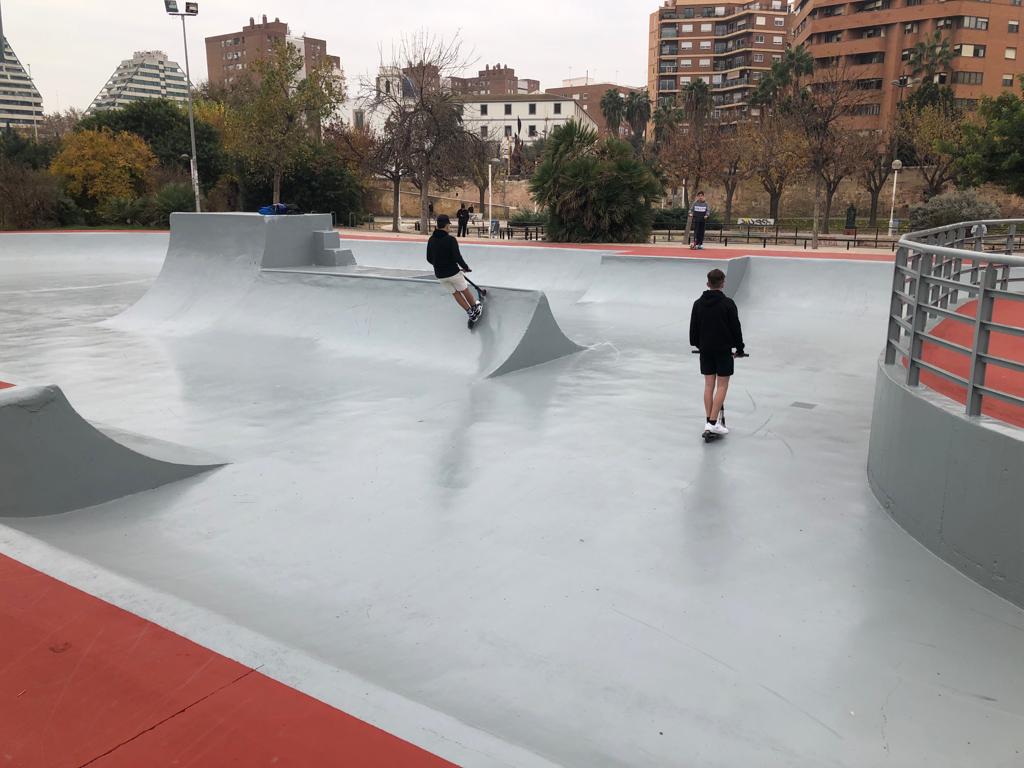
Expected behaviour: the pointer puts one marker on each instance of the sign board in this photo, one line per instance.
(756, 222)
(171, 6)
(192, 9)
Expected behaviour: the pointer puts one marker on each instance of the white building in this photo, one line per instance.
(147, 75)
(531, 116)
(21, 105)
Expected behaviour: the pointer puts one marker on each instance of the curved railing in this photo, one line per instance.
(949, 285)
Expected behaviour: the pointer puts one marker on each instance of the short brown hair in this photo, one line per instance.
(716, 278)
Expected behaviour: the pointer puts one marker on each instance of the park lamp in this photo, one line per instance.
(494, 162)
(897, 166)
(191, 9)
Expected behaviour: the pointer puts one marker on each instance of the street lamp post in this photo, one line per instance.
(490, 194)
(191, 9)
(896, 166)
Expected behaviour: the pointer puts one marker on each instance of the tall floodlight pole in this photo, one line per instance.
(896, 166)
(191, 9)
(490, 194)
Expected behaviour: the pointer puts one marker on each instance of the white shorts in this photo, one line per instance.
(454, 284)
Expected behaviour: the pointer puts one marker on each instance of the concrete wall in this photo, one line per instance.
(953, 482)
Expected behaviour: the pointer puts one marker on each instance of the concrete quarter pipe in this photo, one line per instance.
(55, 461)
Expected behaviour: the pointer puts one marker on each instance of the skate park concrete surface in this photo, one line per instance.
(508, 547)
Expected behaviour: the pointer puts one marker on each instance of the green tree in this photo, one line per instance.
(614, 109)
(637, 111)
(164, 126)
(934, 135)
(322, 182)
(274, 131)
(993, 149)
(594, 190)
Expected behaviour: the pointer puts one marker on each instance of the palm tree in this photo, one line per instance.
(613, 108)
(929, 58)
(666, 117)
(696, 101)
(637, 112)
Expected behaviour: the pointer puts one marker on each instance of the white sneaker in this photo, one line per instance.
(718, 429)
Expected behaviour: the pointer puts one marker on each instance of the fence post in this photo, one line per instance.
(776, 233)
(748, 233)
(1010, 233)
(896, 306)
(876, 236)
(982, 332)
(924, 270)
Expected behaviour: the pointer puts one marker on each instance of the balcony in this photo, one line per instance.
(668, 50)
(872, 5)
(733, 45)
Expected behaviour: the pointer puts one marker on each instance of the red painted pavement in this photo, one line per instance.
(83, 682)
(5, 385)
(996, 377)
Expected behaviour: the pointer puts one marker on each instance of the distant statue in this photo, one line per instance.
(851, 217)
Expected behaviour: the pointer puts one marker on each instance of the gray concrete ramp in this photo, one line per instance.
(658, 281)
(55, 461)
(834, 287)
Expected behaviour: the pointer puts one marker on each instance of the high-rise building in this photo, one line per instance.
(872, 40)
(589, 95)
(730, 46)
(499, 80)
(21, 105)
(230, 57)
(146, 75)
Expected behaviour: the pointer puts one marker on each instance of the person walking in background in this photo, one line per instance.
(699, 212)
(463, 218)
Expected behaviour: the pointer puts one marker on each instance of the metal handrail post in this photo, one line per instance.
(1011, 233)
(896, 305)
(920, 319)
(982, 333)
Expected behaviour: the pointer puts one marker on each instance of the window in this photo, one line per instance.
(1010, 53)
(758, 38)
(779, 21)
(508, 109)
(686, 63)
(532, 131)
(508, 131)
(946, 23)
(1013, 27)
(719, 10)
(758, 58)
(905, 54)
(707, 27)
(966, 104)
(687, 44)
(483, 131)
(777, 40)
(532, 109)
(558, 108)
(912, 28)
(913, 2)
(761, 21)
(867, 109)
(973, 22)
(684, 80)
(687, 27)
(704, 62)
(970, 50)
(776, 57)
(483, 110)
(967, 78)
(1007, 81)
(705, 45)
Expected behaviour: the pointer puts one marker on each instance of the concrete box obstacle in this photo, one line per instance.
(55, 461)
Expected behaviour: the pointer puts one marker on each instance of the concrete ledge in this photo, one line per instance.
(954, 483)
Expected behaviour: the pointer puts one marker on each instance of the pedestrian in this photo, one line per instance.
(699, 213)
(463, 218)
(443, 253)
(716, 333)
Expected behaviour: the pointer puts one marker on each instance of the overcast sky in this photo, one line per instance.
(74, 45)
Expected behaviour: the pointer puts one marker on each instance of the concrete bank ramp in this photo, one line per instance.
(55, 461)
(829, 286)
(288, 277)
(659, 281)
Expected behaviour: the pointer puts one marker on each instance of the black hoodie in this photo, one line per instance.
(715, 324)
(443, 253)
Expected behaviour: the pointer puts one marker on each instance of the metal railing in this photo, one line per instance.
(940, 271)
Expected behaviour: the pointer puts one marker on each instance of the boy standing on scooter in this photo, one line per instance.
(699, 213)
(715, 331)
(443, 253)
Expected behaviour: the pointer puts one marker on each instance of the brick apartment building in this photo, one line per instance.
(730, 46)
(589, 95)
(230, 56)
(874, 38)
(499, 80)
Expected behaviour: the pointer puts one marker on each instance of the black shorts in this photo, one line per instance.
(717, 363)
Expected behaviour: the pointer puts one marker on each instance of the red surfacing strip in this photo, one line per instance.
(83, 682)
(5, 385)
(996, 377)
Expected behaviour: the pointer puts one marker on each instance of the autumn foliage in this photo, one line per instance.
(102, 165)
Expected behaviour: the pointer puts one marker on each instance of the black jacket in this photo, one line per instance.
(462, 216)
(443, 253)
(715, 324)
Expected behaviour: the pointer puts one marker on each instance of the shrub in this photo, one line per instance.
(172, 198)
(675, 218)
(951, 208)
(521, 217)
(28, 198)
(124, 211)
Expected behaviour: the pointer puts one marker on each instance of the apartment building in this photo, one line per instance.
(531, 116)
(146, 75)
(499, 80)
(589, 95)
(728, 46)
(873, 39)
(231, 56)
(21, 105)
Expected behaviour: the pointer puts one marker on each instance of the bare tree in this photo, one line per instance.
(778, 156)
(846, 153)
(731, 165)
(421, 120)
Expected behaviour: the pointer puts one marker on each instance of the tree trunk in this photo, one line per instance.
(830, 193)
(425, 204)
(277, 187)
(396, 203)
(730, 191)
(816, 228)
(873, 217)
(483, 191)
(773, 204)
